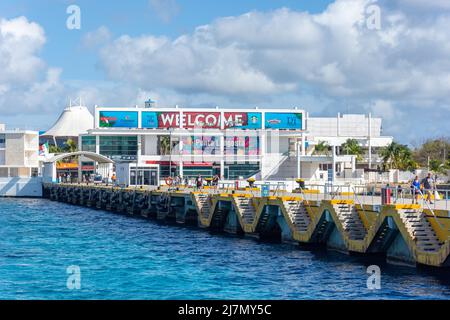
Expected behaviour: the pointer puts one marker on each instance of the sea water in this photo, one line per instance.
(44, 244)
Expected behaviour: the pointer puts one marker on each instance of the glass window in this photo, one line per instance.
(2, 141)
(88, 143)
(121, 147)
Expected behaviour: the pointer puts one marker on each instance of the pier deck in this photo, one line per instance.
(401, 232)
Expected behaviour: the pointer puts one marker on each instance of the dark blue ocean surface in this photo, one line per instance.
(125, 258)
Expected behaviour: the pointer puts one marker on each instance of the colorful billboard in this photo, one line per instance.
(284, 121)
(160, 120)
(242, 146)
(243, 120)
(118, 119)
(200, 145)
(205, 120)
(190, 120)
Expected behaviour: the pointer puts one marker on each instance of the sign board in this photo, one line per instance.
(284, 121)
(242, 120)
(118, 119)
(265, 190)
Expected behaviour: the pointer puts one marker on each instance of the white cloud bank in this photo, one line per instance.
(259, 55)
(327, 63)
(27, 85)
(286, 51)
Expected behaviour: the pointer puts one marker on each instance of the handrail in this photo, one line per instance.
(429, 208)
(304, 199)
(360, 203)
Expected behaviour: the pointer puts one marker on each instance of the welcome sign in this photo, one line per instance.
(189, 120)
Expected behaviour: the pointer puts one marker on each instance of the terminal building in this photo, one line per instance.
(151, 143)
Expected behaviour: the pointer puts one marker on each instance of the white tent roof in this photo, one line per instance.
(72, 122)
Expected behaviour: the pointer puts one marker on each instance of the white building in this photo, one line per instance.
(269, 144)
(18, 152)
(19, 164)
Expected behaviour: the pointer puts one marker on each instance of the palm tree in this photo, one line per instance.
(70, 146)
(352, 147)
(164, 145)
(322, 148)
(397, 156)
(54, 149)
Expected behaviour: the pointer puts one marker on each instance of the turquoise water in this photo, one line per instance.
(125, 258)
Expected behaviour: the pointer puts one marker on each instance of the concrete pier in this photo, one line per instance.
(402, 233)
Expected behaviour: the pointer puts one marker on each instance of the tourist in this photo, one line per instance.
(415, 190)
(199, 182)
(114, 178)
(215, 181)
(428, 186)
(399, 193)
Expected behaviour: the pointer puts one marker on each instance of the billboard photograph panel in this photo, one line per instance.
(118, 119)
(160, 120)
(243, 120)
(283, 121)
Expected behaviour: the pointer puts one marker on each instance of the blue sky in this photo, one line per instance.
(134, 18)
(318, 55)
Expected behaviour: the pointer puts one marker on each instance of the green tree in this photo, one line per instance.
(164, 145)
(437, 166)
(54, 149)
(436, 149)
(397, 156)
(70, 146)
(322, 148)
(352, 147)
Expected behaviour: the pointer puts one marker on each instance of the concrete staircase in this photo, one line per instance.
(420, 229)
(246, 209)
(203, 204)
(298, 214)
(286, 169)
(351, 222)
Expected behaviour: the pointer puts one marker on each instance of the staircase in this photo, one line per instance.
(351, 222)
(286, 169)
(246, 209)
(298, 214)
(420, 229)
(203, 204)
(218, 219)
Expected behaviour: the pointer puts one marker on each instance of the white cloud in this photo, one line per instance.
(96, 38)
(261, 56)
(433, 4)
(285, 51)
(20, 41)
(27, 85)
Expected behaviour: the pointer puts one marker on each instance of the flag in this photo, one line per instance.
(43, 149)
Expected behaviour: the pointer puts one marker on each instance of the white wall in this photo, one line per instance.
(20, 187)
(149, 145)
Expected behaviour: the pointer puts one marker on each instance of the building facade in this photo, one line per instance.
(18, 153)
(268, 144)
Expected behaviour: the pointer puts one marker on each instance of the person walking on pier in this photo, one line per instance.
(427, 187)
(215, 181)
(199, 182)
(415, 190)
